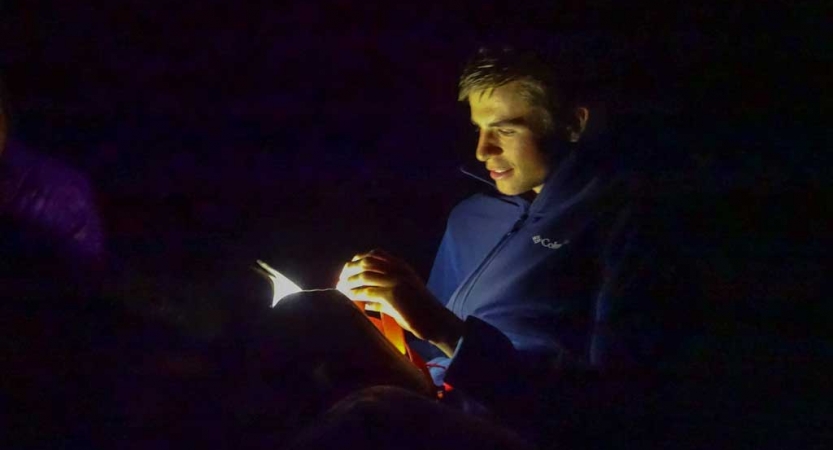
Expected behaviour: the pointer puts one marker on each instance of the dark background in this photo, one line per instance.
(220, 132)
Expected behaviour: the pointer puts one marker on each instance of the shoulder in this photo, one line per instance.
(45, 193)
(484, 205)
(28, 171)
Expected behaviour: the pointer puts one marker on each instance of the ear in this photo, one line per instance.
(577, 123)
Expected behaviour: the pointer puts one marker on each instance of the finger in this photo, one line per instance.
(376, 299)
(376, 251)
(362, 306)
(386, 309)
(346, 286)
(366, 264)
(266, 267)
(371, 279)
(381, 254)
(351, 271)
(390, 262)
(371, 294)
(373, 307)
(379, 307)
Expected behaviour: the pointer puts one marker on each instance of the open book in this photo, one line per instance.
(283, 287)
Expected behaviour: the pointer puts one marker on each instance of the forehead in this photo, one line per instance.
(502, 102)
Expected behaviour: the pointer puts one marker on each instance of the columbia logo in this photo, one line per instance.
(554, 245)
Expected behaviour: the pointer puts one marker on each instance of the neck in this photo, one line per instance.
(529, 195)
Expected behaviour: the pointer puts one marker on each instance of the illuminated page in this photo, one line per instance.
(281, 285)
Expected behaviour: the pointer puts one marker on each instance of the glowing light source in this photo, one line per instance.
(281, 285)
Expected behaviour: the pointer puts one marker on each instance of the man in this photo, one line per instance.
(545, 274)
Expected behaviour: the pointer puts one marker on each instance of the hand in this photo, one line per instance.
(384, 283)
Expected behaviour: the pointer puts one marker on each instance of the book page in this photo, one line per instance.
(281, 285)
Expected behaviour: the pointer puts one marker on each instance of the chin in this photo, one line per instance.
(509, 190)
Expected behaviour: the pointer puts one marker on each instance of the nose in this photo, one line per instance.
(486, 146)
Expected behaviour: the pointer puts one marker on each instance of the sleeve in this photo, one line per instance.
(442, 282)
(484, 359)
(639, 320)
(644, 313)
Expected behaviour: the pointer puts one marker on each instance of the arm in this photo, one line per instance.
(387, 284)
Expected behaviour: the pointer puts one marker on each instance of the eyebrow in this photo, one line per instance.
(515, 121)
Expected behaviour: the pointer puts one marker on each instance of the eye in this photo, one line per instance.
(506, 132)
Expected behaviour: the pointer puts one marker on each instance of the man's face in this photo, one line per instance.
(507, 144)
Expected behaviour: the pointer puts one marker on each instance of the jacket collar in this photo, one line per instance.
(573, 179)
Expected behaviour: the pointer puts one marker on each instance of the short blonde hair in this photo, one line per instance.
(491, 68)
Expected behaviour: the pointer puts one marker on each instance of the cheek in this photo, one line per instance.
(533, 158)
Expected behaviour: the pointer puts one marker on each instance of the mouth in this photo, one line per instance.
(498, 174)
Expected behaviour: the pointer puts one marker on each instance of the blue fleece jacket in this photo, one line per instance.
(560, 281)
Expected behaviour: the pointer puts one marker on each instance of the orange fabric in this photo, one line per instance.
(377, 323)
(396, 335)
(390, 329)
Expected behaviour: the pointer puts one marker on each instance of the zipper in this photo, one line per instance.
(468, 285)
